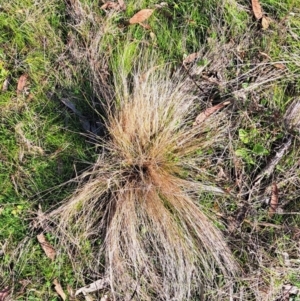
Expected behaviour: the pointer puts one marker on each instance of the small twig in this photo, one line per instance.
(92, 287)
(190, 76)
(268, 170)
(262, 224)
(288, 213)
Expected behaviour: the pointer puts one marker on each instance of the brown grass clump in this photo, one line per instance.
(139, 200)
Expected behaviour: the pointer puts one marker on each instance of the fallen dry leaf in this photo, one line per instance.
(122, 4)
(206, 113)
(48, 249)
(265, 55)
(110, 4)
(274, 200)
(279, 66)
(4, 293)
(5, 85)
(59, 289)
(141, 16)
(191, 58)
(22, 83)
(265, 23)
(257, 11)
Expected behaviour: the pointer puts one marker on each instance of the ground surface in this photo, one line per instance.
(57, 60)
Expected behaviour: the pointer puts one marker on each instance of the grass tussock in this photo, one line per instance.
(140, 218)
(140, 198)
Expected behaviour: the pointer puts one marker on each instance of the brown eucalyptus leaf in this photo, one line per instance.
(22, 83)
(279, 66)
(110, 4)
(265, 23)
(209, 111)
(191, 58)
(46, 246)
(274, 200)
(265, 55)
(141, 16)
(59, 289)
(5, 85)
(122, 4)
(257, 11)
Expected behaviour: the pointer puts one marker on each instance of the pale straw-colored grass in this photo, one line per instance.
(141, 201)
